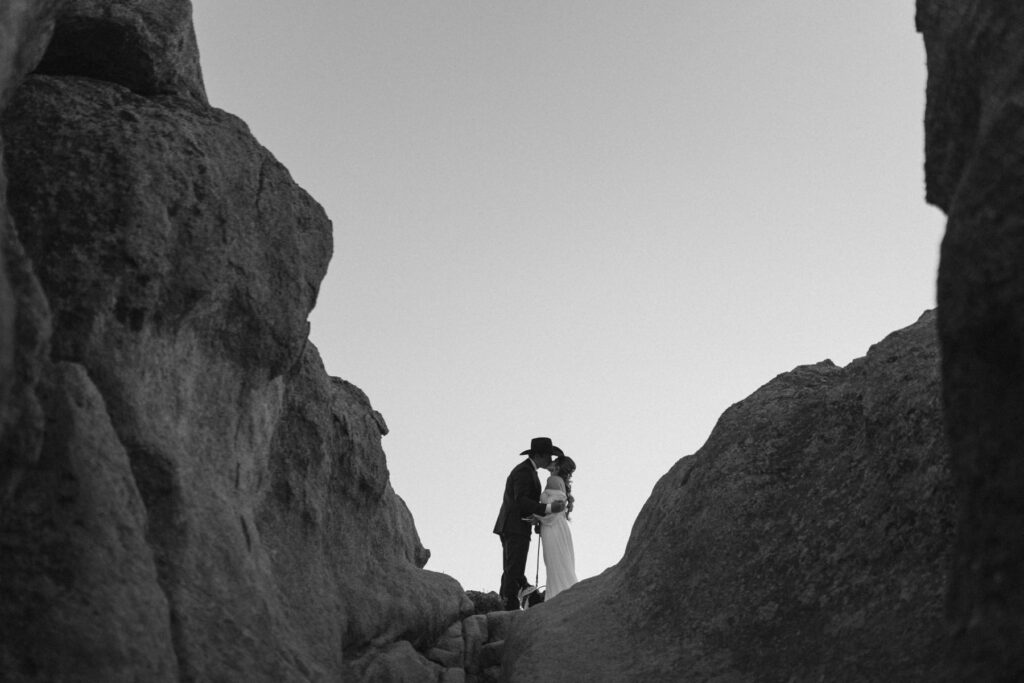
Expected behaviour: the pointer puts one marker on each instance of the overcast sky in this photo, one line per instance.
(603, 222)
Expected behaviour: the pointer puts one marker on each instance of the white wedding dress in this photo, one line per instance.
(556, 543)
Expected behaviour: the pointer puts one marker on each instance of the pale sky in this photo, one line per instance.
(603, 222)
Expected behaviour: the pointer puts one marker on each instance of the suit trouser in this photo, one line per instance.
(514, 549)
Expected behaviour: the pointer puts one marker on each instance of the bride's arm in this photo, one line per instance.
(555, 483)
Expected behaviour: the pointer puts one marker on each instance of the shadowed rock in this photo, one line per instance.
(79, 598)
(151, 216)
(25, 28)
(975, 171)
(148, 46)
(193, 498)
(808, 539)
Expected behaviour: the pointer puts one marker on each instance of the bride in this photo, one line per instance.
(555, 536)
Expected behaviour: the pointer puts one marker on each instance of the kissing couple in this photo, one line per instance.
(526, 507)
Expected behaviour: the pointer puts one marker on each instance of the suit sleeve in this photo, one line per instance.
(523, 492)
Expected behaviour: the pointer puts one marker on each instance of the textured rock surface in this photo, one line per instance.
(807, 540)
(79, 599)
(975, 172)
(396, 663)
(193, 497)
(25, 27)
(147, 216)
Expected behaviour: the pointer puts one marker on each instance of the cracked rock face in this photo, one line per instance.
(808, 539)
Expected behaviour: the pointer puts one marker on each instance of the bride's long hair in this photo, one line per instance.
(564, 467)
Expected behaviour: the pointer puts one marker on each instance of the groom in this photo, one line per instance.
(522, 499)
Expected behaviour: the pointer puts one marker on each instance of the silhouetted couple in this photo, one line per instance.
(525, 507)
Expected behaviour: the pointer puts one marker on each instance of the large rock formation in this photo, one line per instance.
(975, 173)
(808, 539)
(187, 495)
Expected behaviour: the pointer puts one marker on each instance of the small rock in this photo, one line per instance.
(453, 675)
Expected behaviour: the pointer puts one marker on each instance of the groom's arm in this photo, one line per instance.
(522, 484)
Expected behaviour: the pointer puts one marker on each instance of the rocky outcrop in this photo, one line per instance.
(808, 539)
(187, 494)
(975, 171)
(345, 549)
(79, 595)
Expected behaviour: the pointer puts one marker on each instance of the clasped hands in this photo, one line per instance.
(556, 507)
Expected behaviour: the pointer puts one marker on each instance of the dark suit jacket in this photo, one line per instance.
(522, 498)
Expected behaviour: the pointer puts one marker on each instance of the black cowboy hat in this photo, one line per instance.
(542, 446)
